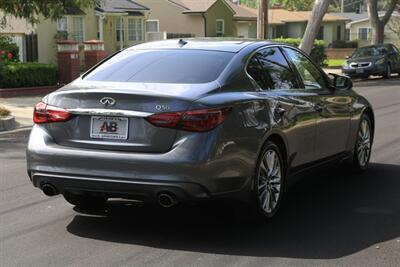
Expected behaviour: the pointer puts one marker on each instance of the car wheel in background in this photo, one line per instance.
(388, 72)
(269, 181)
(362, 149)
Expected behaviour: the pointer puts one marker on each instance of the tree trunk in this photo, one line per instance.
(262, 20)
(378, 25)
(314, 24)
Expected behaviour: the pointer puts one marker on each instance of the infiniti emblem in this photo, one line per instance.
(108, 101)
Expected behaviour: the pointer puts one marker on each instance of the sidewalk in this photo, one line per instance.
(21, 108)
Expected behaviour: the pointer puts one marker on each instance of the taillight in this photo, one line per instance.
(44, 113)
(194, 120)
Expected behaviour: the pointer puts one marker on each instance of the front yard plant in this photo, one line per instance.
(14, 75)
(4, 112)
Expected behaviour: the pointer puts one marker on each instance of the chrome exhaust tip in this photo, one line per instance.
(49, 190)
(167, 200)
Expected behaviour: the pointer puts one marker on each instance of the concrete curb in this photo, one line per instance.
(7, 123)
(17, 130)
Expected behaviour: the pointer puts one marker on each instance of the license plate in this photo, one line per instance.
(360, 71)
(109, 128)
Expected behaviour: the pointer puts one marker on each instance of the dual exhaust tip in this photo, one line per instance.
(165, 200)
(49, 190)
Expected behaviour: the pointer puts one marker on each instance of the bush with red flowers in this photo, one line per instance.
(9, 51)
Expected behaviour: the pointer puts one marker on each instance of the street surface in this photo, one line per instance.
(330, 218)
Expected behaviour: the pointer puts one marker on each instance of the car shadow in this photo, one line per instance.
(326, 215)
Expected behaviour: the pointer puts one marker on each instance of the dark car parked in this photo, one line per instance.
(177, 121)
(380, 60)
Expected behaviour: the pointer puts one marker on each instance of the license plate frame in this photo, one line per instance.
(120, 134)
(359, 71)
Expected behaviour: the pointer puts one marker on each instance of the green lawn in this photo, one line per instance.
(335, 62)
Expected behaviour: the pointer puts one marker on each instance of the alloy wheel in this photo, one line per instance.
(363, 143)
(269, 181)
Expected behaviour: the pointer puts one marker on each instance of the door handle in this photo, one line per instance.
(319, 107)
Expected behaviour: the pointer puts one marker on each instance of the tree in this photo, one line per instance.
(49, 9)
(262, 20)
(377, 24)
(314, 24)
(394, 23)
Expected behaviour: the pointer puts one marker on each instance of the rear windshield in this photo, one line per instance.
(370, 51)
(162, 66)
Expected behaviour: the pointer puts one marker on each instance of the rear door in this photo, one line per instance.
(291, 107)
(333, 106)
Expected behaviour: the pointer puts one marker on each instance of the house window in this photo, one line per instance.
(152, 26)
(338, 32)
(364, 33)
(220, 27)
(62, 24)
(135, 27)
(77, 29)
(120, 29)
(320, 35)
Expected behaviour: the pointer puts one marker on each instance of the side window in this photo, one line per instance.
(276, 69)
(311, 76)
(255, 70)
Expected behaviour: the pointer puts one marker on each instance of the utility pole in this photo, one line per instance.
(262, 19)
(342, 6)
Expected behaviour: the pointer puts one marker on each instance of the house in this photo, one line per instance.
(123, 23)
(19, 30)
(118, 22)
(359, 28)
(292, 24)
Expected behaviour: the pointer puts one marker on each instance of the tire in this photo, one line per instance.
(388, 72)
(363, 145)
(270, 164)
(85, 201)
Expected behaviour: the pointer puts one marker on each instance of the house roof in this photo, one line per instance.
(243, 12)
(120, 6)
(365, 17)
(198, 6)
(279, 15)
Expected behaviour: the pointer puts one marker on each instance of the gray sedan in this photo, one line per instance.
(188, 120)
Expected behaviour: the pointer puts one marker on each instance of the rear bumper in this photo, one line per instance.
(192, 169)
(112, 187)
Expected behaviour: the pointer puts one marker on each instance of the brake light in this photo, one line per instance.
(44, 113)
(194, 120)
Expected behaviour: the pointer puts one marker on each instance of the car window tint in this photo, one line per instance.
(256, 72)
(162, 66)
(276, 69)
(311, 76)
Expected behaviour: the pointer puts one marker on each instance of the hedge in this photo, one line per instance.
(14, 75)
(317, 52)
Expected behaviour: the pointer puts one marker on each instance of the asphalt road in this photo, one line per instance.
(329, 218)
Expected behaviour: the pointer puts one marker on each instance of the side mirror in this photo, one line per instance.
(342, 82)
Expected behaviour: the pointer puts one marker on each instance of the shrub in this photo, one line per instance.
(344, 44)
(317, 52)
(4, 112)
(9, 50)
(27, 74)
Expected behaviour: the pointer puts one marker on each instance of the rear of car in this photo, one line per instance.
(132, 127)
